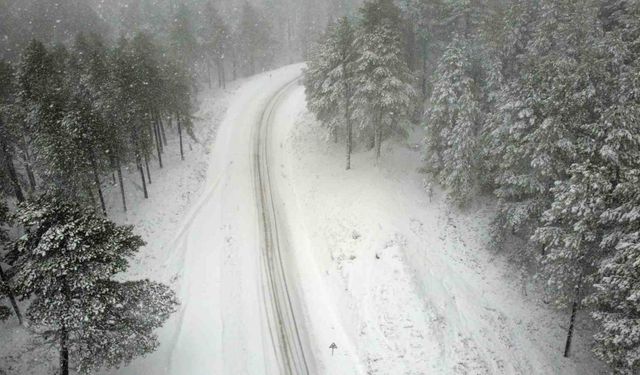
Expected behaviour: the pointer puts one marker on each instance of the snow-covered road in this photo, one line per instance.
(286, 332)
(241, 309)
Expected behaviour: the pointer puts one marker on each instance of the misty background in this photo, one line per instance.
(284, 29)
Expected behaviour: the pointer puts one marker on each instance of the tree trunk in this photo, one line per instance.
(124, 199)
(162, 132)
(209, 72)
(13, 175)
(334, 132)
(27, 165)
(424, 69)
(574, 310)
(156, 124)
(64, 351)
(146, 164)
(180, 136)
(96, 180)
(377, 140)
(12, 298)
(223, 77)
(156, 134)
(144, 182)
(234, 64)
(349, 132)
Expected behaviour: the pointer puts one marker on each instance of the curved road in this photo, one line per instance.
(243, 292)
(285, 329)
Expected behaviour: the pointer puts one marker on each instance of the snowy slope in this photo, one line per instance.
(409, 278)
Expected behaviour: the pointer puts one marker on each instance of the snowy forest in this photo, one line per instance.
(528, 106)
(533, 103)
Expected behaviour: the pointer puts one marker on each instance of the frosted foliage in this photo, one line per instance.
(66, 263)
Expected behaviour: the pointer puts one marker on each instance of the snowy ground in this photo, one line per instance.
(401, 284)
(410, 278)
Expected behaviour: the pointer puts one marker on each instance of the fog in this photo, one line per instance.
(288, 25)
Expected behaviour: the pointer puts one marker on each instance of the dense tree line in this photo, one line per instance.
(71, 118)
(73, 115)
(535, 102)
(357, 74)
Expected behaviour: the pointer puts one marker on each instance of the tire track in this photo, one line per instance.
(283, 326)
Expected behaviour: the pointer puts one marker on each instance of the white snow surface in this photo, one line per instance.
(410, 278)
(213, 260)
(401, 283)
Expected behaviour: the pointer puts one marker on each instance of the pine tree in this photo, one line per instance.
(177, 100)
(453, 122)
(43, 92)
(216, 37)
(183, 41)
(383, 93)
(84, 121)
(11, 120)
(66, 265)
(614, 300)
(5, 288)
(329, 81)
(537, 120)
(254, 40)
(617, 285)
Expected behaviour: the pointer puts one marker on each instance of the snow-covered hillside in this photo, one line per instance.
(410, 278)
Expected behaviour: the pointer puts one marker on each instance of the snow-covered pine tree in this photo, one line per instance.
(615, 302)
(43, 93)
(617, 285)
(571, 235)
(84, 121)
(136, 91)
(66, 264)
(5, 312)
(383, 83)
(10, 125)
(329, 81)
(176, 99)
(5, 288)
(453, 123)
(184, 46)
(534, 127)
(254, 40)
(344, 55)
(594, 101)
(216, 37)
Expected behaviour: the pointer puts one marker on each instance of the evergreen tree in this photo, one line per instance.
(5, 288)
(383, 93)
(43, 94)
(534, 129)
(183, 42)
(10, 124)
(66, 264)
(216, 37)
(454, 120)
(329, 81)
(254, 40)
(617, 281)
